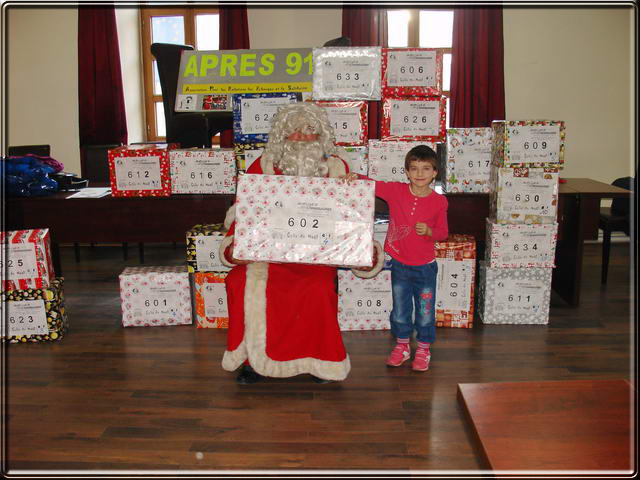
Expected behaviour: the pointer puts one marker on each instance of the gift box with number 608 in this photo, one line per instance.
(364, 303)
(291, 219)
(528, 143)
(203, 170)
(210, 296)
(140, 170)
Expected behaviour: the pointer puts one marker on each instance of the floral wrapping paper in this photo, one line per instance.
(364, 303)
(514, 295)
(347, 73)
(519, 246)
(357, 159)
(202, 170)
(386, 159)
(247, 153)
(468, 160)
(455, 287)
(253, 113)
(140, 170)
(320, 221)
(203, 241)
(414, 118)
(523, 195)
(155, 296)
(349, 120)
(528, 143)
(26, 259)
(411, 72)
(210, 297)
(57, 323)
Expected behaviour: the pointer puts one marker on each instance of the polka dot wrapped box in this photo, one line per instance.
(411, 72)
(210, 295)
(203, 170)
(364, 303)
(312, 220)
(25, 259)
(253, 113)
(514, 295)
(528, 143)
(247, 153)
(155, 296)
(203, 242)
(34, 314)
(349, 120)
(455, 288)
(140, 170)
(468, 160)
(414, 118)
(519, 246)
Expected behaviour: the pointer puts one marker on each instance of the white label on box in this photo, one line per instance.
(411, 69)
(526, 247)
(26, 317)
(257, 113)
(215, 300)
(473, 162)
(419, 118)
(21, 261)
(349, 75)
(199, 174)
(366, 299)
(528, 195)
(454, 284)
(306, 222)
(251, 156)
(357, 159)
(207, 255)
(533, 143)
(346, 123)
(186, 102)
(138, 173)
(518, 296)
(154, 302)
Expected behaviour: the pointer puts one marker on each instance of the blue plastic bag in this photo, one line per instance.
(27, 177)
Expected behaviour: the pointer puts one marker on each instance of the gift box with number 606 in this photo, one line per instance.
(210, 298)
(203, 170)
(291, 219)
(140, 170)
(203, 242)
(364, 303)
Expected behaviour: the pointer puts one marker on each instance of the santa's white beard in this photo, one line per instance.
(305, 159)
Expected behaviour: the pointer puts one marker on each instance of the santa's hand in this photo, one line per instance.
(229, 254)
(423, 229)
(349, 177)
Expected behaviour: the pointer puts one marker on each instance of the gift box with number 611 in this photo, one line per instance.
(291, 219)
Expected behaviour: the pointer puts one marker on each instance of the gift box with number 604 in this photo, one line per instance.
(291, 219)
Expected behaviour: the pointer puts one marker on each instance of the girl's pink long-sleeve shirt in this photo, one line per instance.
(405, 210)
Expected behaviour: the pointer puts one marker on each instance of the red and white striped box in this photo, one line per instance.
(414, 118)
(26, 259)
(210, 295)
(364, 303)
(140, 170)
(349, 121)
(411, 72)
(455, 289)
(155, 296)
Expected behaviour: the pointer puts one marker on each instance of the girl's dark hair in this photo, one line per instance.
(421, 153)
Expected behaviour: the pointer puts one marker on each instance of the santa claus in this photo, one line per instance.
(283, 317)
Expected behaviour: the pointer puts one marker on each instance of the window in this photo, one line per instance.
(431, 28)
(199, 27)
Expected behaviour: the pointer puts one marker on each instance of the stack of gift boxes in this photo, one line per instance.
(31, 293)
(515, 277)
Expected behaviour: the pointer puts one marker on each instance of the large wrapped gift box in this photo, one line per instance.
(203, 170)
(386, 159)
(514, 295)
(26, 259)
(518, 246)
(364, 303)
(468, 159)
(349, 120)
(253, 113)
(155, 296)
(324, 221)
(34, 314)
(523, 195)
(411, 72)
(358, 159)
(140, 170)
(210, 296)
(247, 153)
(528, 143)
(203, 242)
(455, 288)
(414, 118)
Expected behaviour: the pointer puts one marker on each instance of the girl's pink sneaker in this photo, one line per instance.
(421, 360)
(400, 354)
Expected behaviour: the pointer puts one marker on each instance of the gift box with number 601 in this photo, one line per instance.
(140, 170)
(291, 219)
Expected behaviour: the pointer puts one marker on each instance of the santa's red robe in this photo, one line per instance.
(283, 318)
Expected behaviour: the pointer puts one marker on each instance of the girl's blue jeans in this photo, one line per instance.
(414, 287)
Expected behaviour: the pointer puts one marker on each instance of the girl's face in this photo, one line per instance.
(421, 173)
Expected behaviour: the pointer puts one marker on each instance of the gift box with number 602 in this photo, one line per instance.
(140, 170)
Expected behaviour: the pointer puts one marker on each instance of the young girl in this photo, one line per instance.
(418, 218)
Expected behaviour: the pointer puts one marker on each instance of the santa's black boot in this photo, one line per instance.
(248, 376)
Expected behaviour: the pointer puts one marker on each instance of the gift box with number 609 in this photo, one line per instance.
(140, 170)
(291, 219)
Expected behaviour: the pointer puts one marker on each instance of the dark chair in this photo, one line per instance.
(614, 219)
(338, 42)
(189, 129)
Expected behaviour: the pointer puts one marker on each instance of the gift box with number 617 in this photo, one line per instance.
(291, 219)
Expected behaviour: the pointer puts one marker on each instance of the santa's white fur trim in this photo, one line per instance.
(378, 266)
(230, 217)
(267, 166)
(254, 343)
(226, 241)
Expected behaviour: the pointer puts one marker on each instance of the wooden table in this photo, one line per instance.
(554, 425)
(166, 219)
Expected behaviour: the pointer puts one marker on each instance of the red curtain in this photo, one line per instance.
(477, 70)
(102, 114)
(367, 27)
(234, 33)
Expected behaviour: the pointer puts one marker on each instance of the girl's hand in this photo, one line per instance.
(423, 229)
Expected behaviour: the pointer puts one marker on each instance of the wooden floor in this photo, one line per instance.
(110, 398)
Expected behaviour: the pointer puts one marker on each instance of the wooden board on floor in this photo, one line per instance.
(552, 425)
